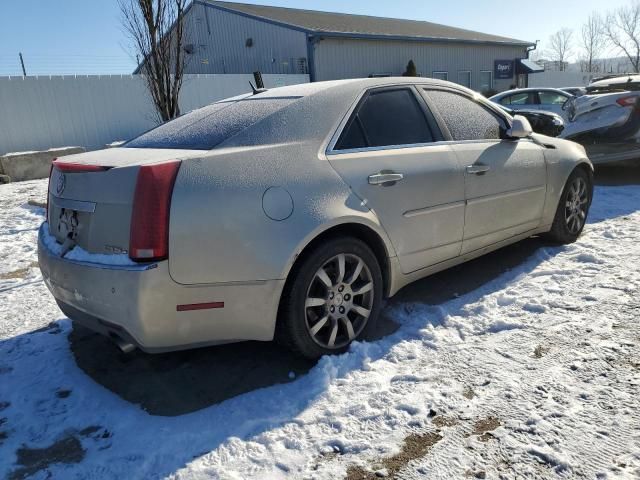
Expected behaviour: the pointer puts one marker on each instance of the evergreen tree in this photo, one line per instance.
(410, 71)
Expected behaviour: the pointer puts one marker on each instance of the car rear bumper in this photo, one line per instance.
(139, 304)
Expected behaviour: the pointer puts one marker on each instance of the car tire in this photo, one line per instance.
(573, 208)
(326, 300)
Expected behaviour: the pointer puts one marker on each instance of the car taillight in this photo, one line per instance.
(46, 213)
(149, 237)
(627, 101)
(68, 167)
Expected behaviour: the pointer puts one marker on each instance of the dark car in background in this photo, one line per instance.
(547, 99)
(545, 123)
(575, 91)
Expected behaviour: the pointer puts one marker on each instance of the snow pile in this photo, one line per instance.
(535, 373)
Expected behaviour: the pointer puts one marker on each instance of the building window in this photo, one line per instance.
(464, 78)
(440, 75)
(486, 81)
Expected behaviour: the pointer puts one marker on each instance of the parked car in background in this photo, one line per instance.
(575, 91)
(548, 99)
(606, 120)
(544, 123)
(609, 83)
(293, 212)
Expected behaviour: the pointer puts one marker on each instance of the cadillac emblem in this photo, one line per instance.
(62, 181)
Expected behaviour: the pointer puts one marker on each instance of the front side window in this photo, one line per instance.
(551, 98)
(465, 118)
(386, 118)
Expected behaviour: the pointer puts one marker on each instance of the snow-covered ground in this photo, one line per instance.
(536, 374)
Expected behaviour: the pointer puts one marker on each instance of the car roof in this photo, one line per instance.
(329, 101)
(306, 89)
(616, 80)
(527, 90)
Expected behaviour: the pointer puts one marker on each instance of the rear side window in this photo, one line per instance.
(552, 98)
(207, 127)
(465, 119)
(524, 98)
(386, 118)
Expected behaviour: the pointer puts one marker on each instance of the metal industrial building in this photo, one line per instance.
(225, 37)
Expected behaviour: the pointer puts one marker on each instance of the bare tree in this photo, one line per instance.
(156, 29)
(560, 47)
(593, 42)
(622, 28)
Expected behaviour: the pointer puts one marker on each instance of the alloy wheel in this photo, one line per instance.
(577, 202)
(339, 301)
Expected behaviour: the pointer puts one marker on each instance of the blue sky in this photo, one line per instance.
(85, 36)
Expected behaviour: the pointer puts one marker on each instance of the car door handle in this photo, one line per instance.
(478, 168)
(385, 178)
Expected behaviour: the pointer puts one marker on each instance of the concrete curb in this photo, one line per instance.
(21, 166)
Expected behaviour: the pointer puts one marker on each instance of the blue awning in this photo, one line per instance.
(524, 65)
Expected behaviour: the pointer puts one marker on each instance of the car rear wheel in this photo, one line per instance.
(573, 208)
(332, 299)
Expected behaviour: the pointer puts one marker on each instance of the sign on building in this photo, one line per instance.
(503, 69)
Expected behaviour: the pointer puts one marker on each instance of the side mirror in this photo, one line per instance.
(520, 128)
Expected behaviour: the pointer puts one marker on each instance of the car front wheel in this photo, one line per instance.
(573, 208)
(332, 299)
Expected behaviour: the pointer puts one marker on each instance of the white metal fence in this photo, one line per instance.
(90, 111)
(555, 79)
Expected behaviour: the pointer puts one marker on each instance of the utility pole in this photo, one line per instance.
(24, 72)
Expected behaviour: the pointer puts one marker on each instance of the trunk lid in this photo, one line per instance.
(592, 112)
(95, 207)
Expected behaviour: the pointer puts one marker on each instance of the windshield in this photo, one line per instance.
(209, 126)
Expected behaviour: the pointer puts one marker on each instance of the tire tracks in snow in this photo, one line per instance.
(545, 378)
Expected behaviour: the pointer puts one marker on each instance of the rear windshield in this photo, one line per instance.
(209, 126)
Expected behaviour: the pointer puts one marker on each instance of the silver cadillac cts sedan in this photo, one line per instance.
(293, 212)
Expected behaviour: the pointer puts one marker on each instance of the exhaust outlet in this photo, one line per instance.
(124, 346)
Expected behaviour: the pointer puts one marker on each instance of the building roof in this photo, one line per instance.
(348, 25)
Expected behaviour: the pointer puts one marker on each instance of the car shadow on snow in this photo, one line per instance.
(171, 384)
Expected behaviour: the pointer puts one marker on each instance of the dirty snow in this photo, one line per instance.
(536, 374)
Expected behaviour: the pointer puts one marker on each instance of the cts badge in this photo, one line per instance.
(62, 181)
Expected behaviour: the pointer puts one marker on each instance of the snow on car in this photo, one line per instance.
(533, 374)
